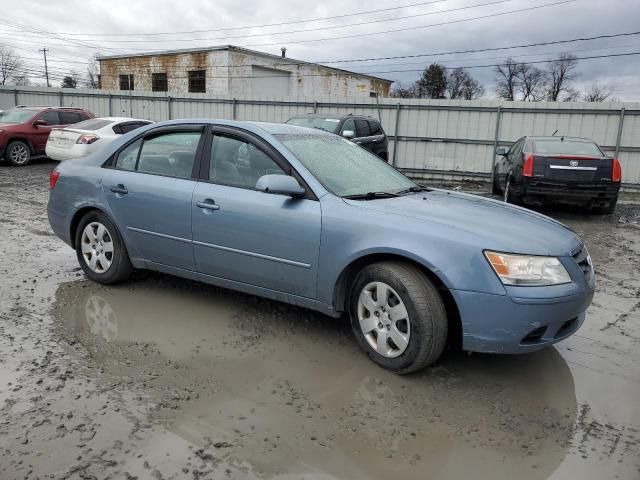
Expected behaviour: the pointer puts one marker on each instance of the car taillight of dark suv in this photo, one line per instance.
(24, 130)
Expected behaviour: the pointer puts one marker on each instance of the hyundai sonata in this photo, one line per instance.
(306, 217)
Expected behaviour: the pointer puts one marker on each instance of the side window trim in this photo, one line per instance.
(249, 137)
(190, 127)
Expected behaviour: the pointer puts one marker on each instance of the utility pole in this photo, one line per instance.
(46, 70)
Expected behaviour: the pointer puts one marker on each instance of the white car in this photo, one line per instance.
(83, 138)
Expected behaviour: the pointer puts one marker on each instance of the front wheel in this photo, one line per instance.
(100, 249)
(18, 153)
(398, 317)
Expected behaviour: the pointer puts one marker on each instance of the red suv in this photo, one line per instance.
(24, 130)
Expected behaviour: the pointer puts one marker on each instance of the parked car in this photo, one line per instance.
(24, 130)
(362, 130)
(315, 221)
(88, 136)
(560, 169)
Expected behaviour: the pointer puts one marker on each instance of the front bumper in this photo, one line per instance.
(507, 324)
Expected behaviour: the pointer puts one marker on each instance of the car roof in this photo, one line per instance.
(340, 116)
(255, 127)
(122, 119)
(561, 139)
(39, 108)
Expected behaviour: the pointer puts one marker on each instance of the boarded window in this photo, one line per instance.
(197, 81)
(159, 82)
(126, 82)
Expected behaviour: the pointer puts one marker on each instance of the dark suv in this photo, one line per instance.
(561, 169)
(24, 130)
(365, 131)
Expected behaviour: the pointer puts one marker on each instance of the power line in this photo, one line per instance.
(332, 27)
(257, 26)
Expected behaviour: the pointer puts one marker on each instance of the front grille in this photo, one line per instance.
(581, 257)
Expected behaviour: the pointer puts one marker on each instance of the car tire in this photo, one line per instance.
(508, 195)
(100, 249)
(609, 209)
(18, 153)
(495, 187)
(420, 330)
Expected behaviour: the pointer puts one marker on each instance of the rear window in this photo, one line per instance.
(93, 124)
(326, 124)
(566, 147)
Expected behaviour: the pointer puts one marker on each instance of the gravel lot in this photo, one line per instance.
(164, 378)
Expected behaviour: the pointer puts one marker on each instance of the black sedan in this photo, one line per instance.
(569, 170)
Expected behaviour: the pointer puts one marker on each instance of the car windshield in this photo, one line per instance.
(92, 124)
(16, 116)
(343, 167)
(566, 147)
(326, 124)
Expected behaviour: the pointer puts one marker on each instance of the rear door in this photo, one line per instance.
(248, 236)
(41, 132)
(149, 189)
(378, 138)
(363, 134)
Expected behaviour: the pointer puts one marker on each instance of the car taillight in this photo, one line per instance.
(53, 178)
(616, 171)
(527, 169)
(87, 139)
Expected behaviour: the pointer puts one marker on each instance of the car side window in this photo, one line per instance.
(238, 163)
(376, 129)
(50, 117)
(171, 154)
(362, 128)
(128, 157)
(349, 124)
(127, 127)
(69, 118)
(514, 148)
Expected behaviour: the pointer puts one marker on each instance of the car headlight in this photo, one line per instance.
(527, 270)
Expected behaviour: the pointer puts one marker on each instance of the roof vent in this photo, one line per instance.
(284, 51)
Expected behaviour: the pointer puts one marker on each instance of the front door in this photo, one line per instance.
(249, 236)
(149, 191)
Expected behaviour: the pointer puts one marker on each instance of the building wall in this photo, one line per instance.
(230, 72)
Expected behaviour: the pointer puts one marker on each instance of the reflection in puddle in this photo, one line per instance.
(291, 393)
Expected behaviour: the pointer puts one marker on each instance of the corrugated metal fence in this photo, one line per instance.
(429, 137)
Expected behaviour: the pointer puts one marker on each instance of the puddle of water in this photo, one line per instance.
(292, 394)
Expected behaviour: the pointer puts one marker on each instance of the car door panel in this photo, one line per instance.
(151, 196)
(244, 235)
(257, 238)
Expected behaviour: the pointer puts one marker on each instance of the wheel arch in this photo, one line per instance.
(348, 275)
(23, 140)
(77, 216)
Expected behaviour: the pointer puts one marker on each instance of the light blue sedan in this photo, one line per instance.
(308, 218)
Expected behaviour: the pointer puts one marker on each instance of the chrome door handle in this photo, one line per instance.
(208, 205)
(119, 189)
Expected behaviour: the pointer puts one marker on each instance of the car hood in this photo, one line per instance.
(490, 224)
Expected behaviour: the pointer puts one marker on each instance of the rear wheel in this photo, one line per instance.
(509, 195)
(398, 317)
(495, 187)
(609, 208)
(18, 153)
(100, 249)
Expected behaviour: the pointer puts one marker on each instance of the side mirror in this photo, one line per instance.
(280, 185)
(349, 134)
(501, 151)
(40, 123)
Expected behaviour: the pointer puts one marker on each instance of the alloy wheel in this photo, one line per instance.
(19, 154)
(97, 247)
(384, 319)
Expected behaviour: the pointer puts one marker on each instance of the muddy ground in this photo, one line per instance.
(164, 378)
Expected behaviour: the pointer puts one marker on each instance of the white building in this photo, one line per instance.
(230, 70)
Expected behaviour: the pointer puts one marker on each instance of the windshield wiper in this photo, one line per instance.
(370, 195)
(417, 188)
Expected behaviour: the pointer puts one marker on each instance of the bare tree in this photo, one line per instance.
(472, 89)
(597, 93)
(559, 75)
(400, 90)
(93, 74)
(10, 64)
(531, 82)
(21, 80)
(507, 81)
(455, 83)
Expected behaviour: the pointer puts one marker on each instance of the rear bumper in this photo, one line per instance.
(568, 191)
(502, 324)
(61, 154)
(59, 222)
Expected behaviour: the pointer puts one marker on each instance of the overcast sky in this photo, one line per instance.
(48, 24)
